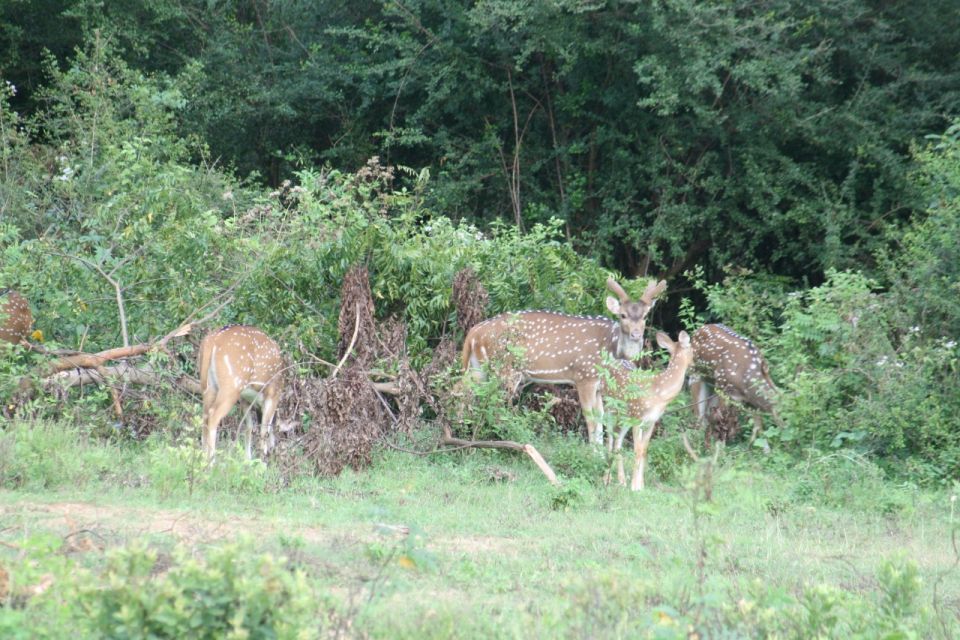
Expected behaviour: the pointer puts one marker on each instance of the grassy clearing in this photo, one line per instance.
(478, 545)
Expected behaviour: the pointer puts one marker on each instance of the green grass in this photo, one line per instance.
(826, 548)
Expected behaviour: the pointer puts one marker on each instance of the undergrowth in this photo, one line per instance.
(729, 545)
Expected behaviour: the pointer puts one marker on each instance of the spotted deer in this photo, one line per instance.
(15, 317)
(557, 348)
(239, 364)
(725, 361)
(646, 400)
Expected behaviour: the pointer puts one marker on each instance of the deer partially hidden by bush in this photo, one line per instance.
(726, 362)
(15, 317)
(645, 400)
(239, 364)
(557, 348)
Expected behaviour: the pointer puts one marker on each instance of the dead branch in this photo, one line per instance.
(118, 290)
(95, 360)
(686, 445)
(449, 440)
(353, 340)
(188, 325)
(42, 350)
(390, 388)
(142, 374)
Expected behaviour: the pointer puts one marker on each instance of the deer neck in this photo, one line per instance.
(621, 346)
(669, 382)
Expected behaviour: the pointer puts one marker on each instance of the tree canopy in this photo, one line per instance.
(771, 135)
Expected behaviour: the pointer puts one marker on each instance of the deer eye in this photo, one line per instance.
(623, 316)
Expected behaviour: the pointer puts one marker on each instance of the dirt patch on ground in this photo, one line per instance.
(481, 544)
(110, 523)
(100, 526)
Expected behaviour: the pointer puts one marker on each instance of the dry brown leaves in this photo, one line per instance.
(723, 423)
(346, 415)
(470, 298)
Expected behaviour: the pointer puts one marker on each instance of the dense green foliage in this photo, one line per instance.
(232, 594)
(663, 134)
(102, 192)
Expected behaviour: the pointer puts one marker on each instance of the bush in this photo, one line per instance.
(860, 382)
(613, 605)
(570, 456)
(231, 594)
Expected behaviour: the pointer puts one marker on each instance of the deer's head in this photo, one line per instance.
(632, 315)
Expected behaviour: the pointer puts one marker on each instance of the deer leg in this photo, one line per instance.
(209, 399)
(588, 394)
(246, 413)
(700, 395)
(267, 438)
(641, 440)
(757, 427)
(224, 403)
(621, 476)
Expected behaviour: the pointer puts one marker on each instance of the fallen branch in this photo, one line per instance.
(95, 360)
(449, 440)
(390, 388)
(142, 374)
(83, 360)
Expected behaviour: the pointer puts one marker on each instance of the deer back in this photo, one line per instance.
(734, 365)
(15, 317)
(239, 356)
(543, 345)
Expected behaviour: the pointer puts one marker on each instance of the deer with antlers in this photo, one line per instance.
(239, 364)
(15, 317)
(646, 400)
(727, 362)
(557, 348)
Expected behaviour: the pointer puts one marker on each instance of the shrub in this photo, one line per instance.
(233, 593)
(861, 383)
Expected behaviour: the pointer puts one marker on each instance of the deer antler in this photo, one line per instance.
(653, 290)
(615, 287)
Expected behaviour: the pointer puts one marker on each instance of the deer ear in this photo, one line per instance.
(684, 339)
(613, 304)
(664, 341)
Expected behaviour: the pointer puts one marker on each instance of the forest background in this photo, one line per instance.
(791, 168)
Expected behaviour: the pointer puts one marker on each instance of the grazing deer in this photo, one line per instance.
(239, 363)
(557, 348)
(646, 400)
(15, 317)
(725, 361)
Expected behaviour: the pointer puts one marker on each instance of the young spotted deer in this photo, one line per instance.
(646, 400)
(557, 348)
(239, 363)
(725, 361)
(15, 317)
